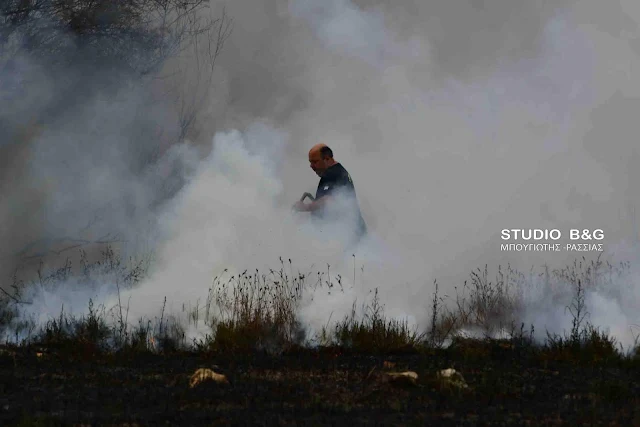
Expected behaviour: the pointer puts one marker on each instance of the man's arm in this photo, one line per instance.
(311, 207)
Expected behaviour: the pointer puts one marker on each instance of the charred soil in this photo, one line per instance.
(507, 385)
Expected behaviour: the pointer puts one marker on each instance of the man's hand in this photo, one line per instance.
(301, 207)
(311, 207)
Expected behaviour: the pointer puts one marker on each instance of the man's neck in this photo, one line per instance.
(328, 167)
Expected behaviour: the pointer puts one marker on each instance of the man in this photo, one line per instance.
(336, 195)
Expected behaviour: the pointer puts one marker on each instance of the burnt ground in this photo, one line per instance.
(507, 386)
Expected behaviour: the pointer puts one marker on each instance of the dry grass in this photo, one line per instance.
(259, 312)
(255, 311)
(372, 332)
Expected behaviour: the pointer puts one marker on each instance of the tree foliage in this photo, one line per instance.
(139, 34)
(75, 40)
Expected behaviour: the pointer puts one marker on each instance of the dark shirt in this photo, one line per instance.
(336, 178)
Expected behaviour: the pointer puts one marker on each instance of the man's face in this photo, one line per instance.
(317, 163)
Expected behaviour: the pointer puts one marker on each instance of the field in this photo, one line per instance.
(91, 371)
(507, 386)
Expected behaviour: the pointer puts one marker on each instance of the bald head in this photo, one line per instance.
(317, 149)
(321, 158)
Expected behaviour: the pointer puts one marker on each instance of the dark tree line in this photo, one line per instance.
(103, 41)
(139, 34)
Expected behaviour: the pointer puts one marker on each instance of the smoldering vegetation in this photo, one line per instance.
(346, 372)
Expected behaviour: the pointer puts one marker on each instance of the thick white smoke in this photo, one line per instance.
(228, 218)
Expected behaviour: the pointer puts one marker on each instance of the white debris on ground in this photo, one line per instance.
(451, 378)
(205, 374)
